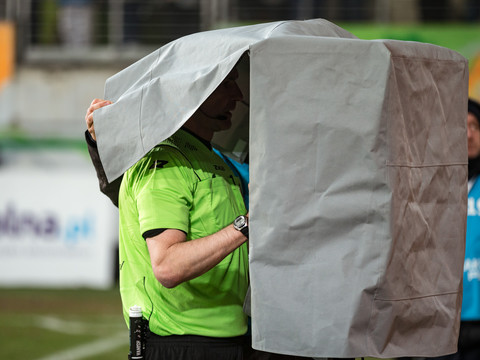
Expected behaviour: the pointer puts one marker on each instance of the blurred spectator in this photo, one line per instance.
(265, 10)
(75, 22)
(43, 27)
(353, 10)
(171, 20)
(469, 339)
(434, 10)
(131, 21)
(307, 9)
(472, 10)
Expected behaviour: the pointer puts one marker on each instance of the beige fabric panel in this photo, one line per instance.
(358, 204)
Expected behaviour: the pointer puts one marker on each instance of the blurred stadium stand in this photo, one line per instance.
(56, 48)
(130, 24)
(63, 50)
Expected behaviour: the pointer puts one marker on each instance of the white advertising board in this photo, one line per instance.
(56, 228)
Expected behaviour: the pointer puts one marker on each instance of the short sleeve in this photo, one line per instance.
(163, 191)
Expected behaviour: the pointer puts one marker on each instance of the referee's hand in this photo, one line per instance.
(96, 104)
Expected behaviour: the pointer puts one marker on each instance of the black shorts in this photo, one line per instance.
(191, 347)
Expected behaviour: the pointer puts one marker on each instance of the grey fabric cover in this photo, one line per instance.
(156, 95)
(358, 164)
(358, 192)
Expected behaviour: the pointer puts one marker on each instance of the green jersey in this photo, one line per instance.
(182, 184)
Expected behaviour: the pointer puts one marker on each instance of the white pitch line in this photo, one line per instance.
(90, 349)
(66, 327)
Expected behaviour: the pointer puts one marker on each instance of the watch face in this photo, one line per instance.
(239, 222)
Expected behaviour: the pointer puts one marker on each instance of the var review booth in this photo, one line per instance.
(358, 177)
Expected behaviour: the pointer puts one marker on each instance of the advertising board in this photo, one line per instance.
(56, 228)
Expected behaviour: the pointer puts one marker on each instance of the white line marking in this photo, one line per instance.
(67, 327)
(90, 349)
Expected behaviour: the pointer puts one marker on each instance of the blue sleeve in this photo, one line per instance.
(241, 170)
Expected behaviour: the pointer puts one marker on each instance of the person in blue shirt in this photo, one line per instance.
(469, 338)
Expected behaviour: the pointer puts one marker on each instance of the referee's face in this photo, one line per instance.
(220, 104)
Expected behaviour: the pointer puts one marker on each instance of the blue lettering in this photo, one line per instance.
(79, 228)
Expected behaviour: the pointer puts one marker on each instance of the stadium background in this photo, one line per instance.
(58, 277)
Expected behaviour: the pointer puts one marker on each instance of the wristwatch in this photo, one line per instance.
(241, 224)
